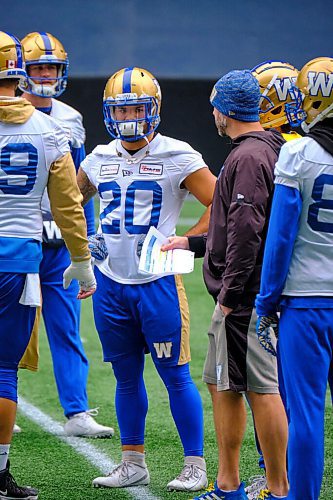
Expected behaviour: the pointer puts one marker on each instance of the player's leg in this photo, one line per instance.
(61, 313)
(225, 374)
(16, 322)
(268, 410)
(123, 346)
(305, 349)
(330, 379)
(165, 323)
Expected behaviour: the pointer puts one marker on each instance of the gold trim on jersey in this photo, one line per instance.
(30, 358)
(185, 352)
(65, 201)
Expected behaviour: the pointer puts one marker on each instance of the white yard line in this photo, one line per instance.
(187, 221)
(90, 452)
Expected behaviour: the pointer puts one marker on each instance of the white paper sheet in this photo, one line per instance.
(154, 261)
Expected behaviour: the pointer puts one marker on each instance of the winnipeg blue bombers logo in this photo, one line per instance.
(320, 83)
(282, 87)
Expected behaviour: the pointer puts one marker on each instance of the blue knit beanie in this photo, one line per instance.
(237, 95)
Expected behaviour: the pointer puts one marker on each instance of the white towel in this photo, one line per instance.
(31, 291)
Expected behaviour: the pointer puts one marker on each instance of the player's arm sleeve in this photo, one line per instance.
(78, 155)
(282, 231)
(246, 220)
(283, 227)
(65, 201)
(197, 244)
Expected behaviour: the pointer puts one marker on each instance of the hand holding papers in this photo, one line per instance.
(154, 261)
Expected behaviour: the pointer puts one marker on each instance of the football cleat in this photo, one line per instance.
(267, 495)
(123, 475)
(16, 429)
(10, 490)
(84, 425)
(191, 478)
(257, 483)
(214, 493)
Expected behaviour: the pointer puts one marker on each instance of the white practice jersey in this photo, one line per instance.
(27, 152)
(135, 196)
(70, 121)
(306, 166)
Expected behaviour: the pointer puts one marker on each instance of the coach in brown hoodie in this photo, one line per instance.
(233, 251)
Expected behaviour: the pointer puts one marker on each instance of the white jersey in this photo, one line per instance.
(137, 192)
(70, 121)
(306, 166)
(27, 152)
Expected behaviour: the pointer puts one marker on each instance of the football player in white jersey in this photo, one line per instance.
(143, 178)
(47, 72)
(297, 272)
(34, 154)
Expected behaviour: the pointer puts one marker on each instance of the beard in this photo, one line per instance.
(221, 125)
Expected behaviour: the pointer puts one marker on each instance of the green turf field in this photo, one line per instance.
(60, 471)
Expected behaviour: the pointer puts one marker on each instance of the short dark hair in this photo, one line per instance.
(9, 82)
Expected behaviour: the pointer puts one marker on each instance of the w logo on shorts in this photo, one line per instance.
(163, 349)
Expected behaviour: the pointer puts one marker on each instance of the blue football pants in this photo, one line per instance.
(305, 347)
(16, 322)
(61, 314)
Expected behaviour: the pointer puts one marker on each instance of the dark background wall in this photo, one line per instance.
(177, 38)
(186, 44)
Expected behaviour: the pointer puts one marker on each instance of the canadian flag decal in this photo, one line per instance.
(11, 64)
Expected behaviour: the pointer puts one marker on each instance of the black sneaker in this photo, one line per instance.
(9, 489)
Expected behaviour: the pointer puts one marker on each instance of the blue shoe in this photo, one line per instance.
(267, 495)
(214, 493)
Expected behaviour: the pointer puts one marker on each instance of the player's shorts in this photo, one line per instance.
(16, 320)
(151, 317)
(235, 360)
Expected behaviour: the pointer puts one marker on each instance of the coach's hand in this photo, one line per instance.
(83, 272)
(97, 246)
(267, 331)
(176, 242)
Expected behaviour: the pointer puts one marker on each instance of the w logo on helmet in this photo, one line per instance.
(320, 83)
(283, 86)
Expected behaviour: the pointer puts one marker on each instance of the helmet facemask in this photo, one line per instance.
(132, 129)
(34, 85)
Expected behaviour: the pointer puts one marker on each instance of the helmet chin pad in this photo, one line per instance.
(130, 129)
(44, 90)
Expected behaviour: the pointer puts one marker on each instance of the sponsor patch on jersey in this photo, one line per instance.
(151, 168)
(109, 169)
(126, 173)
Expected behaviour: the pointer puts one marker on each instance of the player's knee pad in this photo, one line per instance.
(8, 383)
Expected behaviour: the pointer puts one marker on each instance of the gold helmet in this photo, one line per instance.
(275, 80)
(313, 94)
(132, 87)
(11, 57)
(44, 48)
